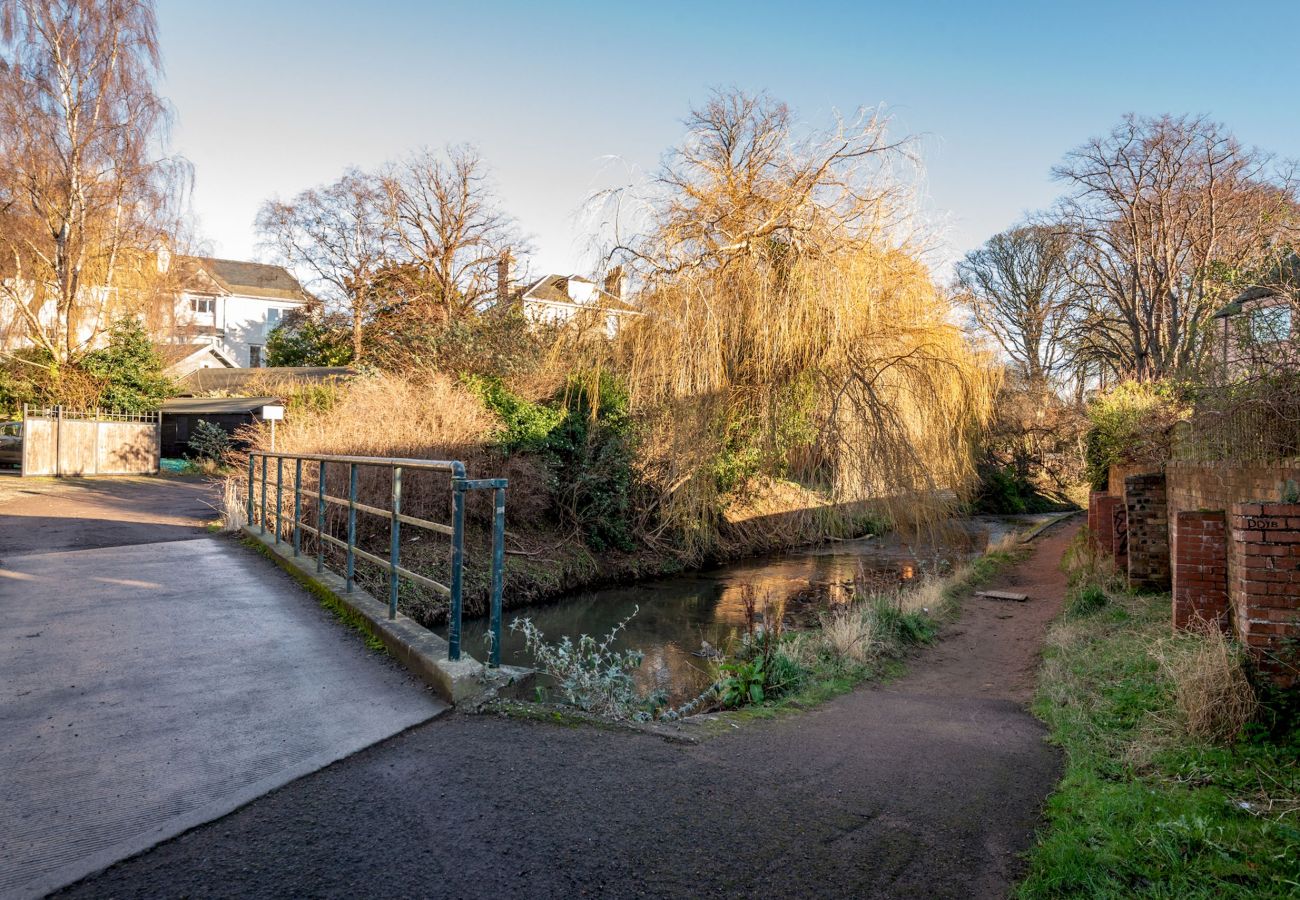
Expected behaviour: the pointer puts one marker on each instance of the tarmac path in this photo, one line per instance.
(929, 786)
(152, 680)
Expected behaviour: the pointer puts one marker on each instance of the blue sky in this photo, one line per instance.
(279, 95)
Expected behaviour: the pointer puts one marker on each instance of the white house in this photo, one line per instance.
(560, 299)
(231, 307)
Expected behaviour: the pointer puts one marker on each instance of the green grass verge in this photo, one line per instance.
(325, 597)
(1144, 811)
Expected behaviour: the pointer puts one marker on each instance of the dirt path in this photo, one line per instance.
(930, 787)
(993, 650)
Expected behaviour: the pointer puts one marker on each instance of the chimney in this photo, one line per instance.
(614, 282)
(503, 278)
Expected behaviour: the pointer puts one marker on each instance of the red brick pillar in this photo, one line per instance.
(1265, 586)
(1148, 531)
(1094, 520)
(1119, 534)
(1201, 570)
(1105, 533)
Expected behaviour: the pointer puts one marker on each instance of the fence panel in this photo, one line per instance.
(64, 442)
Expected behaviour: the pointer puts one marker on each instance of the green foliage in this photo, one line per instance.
(742, 683)
(1084, 600)
(305, 341)
(903, 629)
(592, 450)
(210, 441)
(130, 370)
(1002, 491)
(585, 436)
(1131, 424)
(1142, 812)
(527, 427)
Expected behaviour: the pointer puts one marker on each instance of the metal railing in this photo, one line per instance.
(396, 519)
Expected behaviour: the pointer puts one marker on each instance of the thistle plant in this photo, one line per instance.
(590, 674)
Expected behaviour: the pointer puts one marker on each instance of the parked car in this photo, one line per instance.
(11, 444)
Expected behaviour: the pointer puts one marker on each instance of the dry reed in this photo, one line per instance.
(1213, 696)
(849, 635)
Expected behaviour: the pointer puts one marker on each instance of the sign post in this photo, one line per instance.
(272, 414)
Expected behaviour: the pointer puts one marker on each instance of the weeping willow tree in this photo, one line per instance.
(787, 331)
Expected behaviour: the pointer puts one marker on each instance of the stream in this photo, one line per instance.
(679, 617)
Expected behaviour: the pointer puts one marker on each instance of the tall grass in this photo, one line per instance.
(1213, 696)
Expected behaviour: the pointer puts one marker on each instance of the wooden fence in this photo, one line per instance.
(65, 442)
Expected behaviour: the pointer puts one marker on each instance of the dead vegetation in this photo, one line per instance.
(1213, 696)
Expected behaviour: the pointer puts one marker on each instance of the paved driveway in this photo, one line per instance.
(151, 686)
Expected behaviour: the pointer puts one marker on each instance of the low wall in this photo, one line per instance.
(1218, 485)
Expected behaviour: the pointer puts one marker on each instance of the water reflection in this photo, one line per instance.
(680, 615)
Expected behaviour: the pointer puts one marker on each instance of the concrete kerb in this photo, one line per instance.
(464, 681)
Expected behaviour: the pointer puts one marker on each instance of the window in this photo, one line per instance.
(255, 356)
(1270, 324)
(203, 305)
(273, 316)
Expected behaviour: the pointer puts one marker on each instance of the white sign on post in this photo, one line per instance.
(272, 414)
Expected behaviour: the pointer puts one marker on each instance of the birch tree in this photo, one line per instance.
(87, 194)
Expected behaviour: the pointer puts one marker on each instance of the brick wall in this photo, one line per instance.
(1219, 485)
(1200, 575)
(1147, 508)
(1265, 585)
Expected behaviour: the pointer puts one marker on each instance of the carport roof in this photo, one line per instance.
(216, 405)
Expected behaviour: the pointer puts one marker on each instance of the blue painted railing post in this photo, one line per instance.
(320, 520)
(394, 542)
(249, 490)
(297, 507)
(279, 494)
(457, 564)
(498, 570)
(263, 520)
(352, 524)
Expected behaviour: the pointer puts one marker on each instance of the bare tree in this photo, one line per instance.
(1020, 289)
(449, 229)
(1165, 208)
(744, 183)
(338, 234)
(86, 192)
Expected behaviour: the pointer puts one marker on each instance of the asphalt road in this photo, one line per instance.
(928, 787)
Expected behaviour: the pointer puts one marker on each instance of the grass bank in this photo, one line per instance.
(1146, 808)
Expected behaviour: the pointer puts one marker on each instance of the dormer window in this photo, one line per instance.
(203, 305)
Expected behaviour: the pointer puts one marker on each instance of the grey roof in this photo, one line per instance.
(186, 406)
(555, 289)
(206, 380)
(250, 279)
